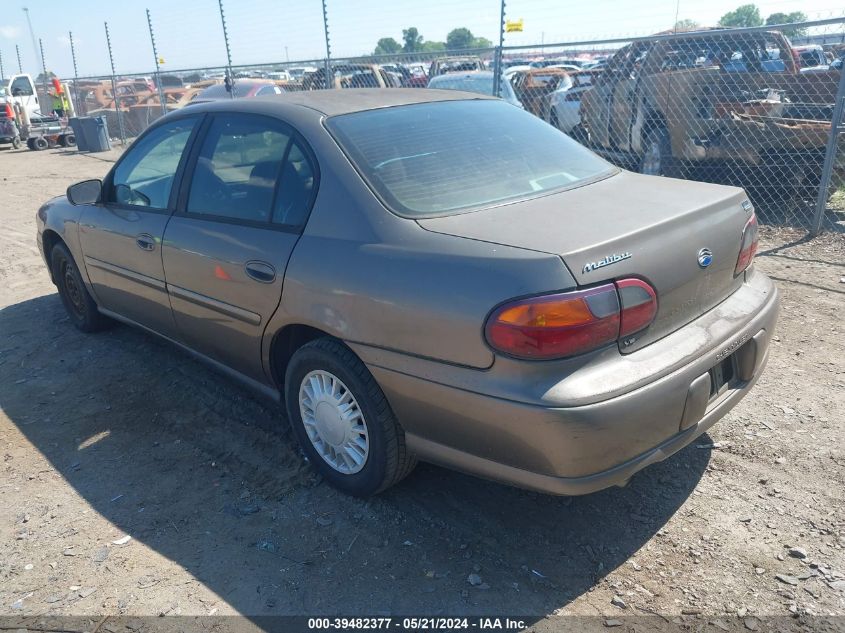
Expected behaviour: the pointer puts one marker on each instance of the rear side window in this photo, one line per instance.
(252, 168)
(441, 158)
(238, 167)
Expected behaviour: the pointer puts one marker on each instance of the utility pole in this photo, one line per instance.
(158, 68)
(31, 33)
(2, 72)
(18, 51)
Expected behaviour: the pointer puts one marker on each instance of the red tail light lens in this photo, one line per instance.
(748, 247)
(556, 326)
(639, 305)
(10, 113)
(571, 323)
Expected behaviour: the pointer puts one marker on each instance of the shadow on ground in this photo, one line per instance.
(206, 475)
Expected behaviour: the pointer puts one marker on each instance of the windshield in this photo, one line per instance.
(444, 157)
(480, 84)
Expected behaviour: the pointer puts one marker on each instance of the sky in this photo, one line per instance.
(189, 33)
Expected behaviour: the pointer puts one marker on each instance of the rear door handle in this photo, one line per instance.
(145, 242)
(261, 271)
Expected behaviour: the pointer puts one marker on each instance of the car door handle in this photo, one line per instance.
(261, 271)
(145, 242)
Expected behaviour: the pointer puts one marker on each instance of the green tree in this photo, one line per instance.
(387, 46)
(745, 15)
(433, 47)
(459, 38)
(482, 42)
(687, 25)
(789, 18)
(412, 39)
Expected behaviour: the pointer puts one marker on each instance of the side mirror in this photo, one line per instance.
(85, 192)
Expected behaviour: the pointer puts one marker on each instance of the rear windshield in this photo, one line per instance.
(441, 158)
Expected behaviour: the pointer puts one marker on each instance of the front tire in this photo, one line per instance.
(78, 303)
(342, 420)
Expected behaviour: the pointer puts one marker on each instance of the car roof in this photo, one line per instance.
(338, 101)
(463, 74)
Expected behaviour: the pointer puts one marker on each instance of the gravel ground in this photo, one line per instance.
(136, 481)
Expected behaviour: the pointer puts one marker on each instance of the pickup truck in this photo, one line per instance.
(20, 90)
(719, 106)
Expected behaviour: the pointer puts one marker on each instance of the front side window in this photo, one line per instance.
(440, 158)
(144, 176)
(238, 167)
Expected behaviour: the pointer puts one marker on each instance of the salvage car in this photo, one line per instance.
(480, 82)
(533, 87)
(721, 106)
(426, 275)
(563, 106)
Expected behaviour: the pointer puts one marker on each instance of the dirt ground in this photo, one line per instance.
(137, 481)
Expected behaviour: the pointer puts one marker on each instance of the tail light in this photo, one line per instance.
(571, 323)
(748, 246)
(639, 305)
(10, 113)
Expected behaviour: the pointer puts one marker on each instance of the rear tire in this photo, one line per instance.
(69, 140)
(40, 143)
(78, 303)
(657, 159)
(553, 120)
(16, 142)
(350, 434)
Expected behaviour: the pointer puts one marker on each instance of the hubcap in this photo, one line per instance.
(651, 160)
(334, 422)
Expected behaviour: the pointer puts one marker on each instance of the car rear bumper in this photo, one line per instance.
(572, 450)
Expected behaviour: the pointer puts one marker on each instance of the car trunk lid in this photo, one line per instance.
(628, 225)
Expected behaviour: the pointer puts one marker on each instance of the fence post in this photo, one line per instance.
(75, 73)
(158, 68)
(836, 126)
(329, 74)
(497, 58)
(18, 51)
(114, 89)
(44, 74)
(230, 80)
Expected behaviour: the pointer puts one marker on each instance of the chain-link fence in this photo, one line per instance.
(742, 106)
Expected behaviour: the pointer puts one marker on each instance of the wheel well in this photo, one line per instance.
(654, 121)
(49, 239)
(285, 343)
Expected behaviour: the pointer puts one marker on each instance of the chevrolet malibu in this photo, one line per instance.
(422, 274)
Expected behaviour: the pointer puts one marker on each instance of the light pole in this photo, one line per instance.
(31, 33)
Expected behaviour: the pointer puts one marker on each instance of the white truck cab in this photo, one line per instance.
(20, 89)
